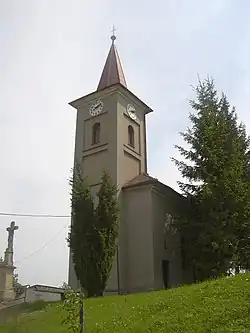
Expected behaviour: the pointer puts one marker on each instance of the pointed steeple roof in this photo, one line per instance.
(112, 72)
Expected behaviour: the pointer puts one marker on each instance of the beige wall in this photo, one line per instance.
(138, 219)
(112, 153)
(34, 296)
(144, 219)
(94, 163)
(107, 120)
(95, 158)
(163, 204)
(143, 211)
(136, 127)
(131, 161)
(131, 166)
(103, 119)
(122, 161)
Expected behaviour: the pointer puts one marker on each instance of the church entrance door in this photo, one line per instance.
(165, 273)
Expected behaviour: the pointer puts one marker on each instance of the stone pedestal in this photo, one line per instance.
(6, 277)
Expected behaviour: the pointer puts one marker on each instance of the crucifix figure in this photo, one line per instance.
(11, 229)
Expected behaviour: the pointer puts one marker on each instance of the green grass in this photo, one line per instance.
(13, 312)
(220, 306)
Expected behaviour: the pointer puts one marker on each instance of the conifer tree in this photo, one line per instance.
(93, 232)
(107, 223)
(83, 239)
(217, 186)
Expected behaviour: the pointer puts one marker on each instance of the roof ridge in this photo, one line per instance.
(140, 178)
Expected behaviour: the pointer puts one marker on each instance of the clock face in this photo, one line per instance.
(131, 111)
(96, 108)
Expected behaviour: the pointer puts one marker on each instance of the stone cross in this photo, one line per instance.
(11, 229)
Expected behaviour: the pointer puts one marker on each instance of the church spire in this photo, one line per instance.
(112, 72)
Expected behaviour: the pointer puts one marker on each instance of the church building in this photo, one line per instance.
(111, 134)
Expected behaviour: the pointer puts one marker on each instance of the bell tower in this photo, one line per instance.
(111, 135)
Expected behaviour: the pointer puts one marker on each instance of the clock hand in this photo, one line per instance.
(97, 106)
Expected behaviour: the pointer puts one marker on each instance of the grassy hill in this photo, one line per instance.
(220, 306)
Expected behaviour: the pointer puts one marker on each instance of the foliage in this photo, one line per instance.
(65, 286)
(84, 239)
(70, 310)
(216, 232)
(216, 306)
(107, 223)
(18, 288)
(93, 232)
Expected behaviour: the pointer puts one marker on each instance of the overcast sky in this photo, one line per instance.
(52, 52)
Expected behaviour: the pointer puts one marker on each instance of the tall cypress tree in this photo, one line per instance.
(84, 239)
(217, 185)
(93, 232)
(107, 213)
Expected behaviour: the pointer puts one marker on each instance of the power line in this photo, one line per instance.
(34, 215)
(45, 245)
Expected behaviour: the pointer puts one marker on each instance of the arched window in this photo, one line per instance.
(96, 131)
(131, 136)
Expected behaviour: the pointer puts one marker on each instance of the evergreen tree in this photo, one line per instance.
(243, 226)
(107, 223)
(217, 186)
(84, 240)
(93, 232)
(18, 288)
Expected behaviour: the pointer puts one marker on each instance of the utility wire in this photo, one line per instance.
(45, 245)
(34, 215)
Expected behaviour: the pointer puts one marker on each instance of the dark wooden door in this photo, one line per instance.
(165, 273)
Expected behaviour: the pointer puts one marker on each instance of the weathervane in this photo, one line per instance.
(113, 34)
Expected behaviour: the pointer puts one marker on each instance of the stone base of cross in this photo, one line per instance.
(8, 257)
(7, 292)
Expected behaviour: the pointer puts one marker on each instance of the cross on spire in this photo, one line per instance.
(112, 72)
(113, 38)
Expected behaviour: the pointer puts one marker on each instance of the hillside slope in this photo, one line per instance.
(220, 306)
